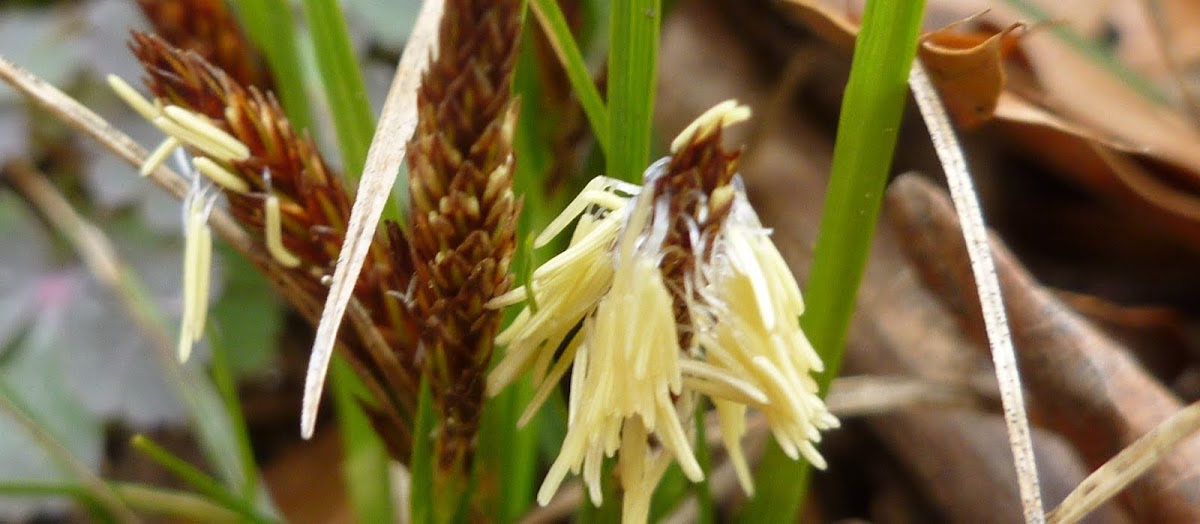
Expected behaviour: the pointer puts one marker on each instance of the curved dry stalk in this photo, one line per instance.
(384, 159)
(966, 203)
(1127, 466)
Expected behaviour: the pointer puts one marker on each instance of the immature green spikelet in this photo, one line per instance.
(282, 191)
(464, 213)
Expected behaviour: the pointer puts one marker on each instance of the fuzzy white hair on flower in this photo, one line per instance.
(606, 303)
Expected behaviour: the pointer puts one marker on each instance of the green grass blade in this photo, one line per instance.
(554, 24)
(342, 79)
(227, 387)
(151, 500)
(270, 25)
(870, 119)
(11, 406)
(177, 505)
(365, 467)
(421, 465)
(632, 65)
(198, 480)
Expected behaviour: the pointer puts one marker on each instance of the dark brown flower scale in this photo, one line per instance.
(692, 175)
(208, 28)
(315, 209)
(464, 213)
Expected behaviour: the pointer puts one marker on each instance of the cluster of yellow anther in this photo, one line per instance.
(633, 387)
(214, 150)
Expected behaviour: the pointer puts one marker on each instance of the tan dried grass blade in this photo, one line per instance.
(1127, 466)
(966, 204)
(384, 158)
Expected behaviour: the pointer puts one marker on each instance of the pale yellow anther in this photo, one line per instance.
(159, 155)
(721, 115)
(204, 275)
(136, 101)
(219, 175)
(202, 126)
(274, 233)
(632, 387)
(194, 139)
(197, 262)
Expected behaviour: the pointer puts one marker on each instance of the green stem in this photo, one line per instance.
(195, 478)
(366, 464)
(632, 66)
(271, 27)
(227, 387)
(870, 119)
(421, 464)
(343, 81)
(93, 484)
(145, 499)
(554, 24)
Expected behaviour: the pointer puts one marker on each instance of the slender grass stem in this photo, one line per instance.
(343, 84)
(227, 387)
(366, 464)
(632, 69)
(870, 120)
(551, 18)
(270, 25)
(90, 482)
(366, 471)
(195, 478)
(145, 499)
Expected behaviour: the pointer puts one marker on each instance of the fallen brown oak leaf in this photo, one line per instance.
(1083, 385)
(1074, 115)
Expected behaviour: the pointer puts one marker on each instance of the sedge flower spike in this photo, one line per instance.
(274, 182)
(667, 291)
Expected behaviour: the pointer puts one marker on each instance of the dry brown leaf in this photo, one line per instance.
(1083, 385)
(968, 69)
(1072, 113)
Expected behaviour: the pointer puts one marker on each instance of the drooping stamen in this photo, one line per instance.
(211, 133)
(197, 262)
(136, 101)
(194, 138)
(219, 175)
(274, 234)
(158, 156)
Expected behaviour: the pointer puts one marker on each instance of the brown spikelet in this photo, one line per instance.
(208, 28)
(464, 212)
(697, 212)
(315, 208)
